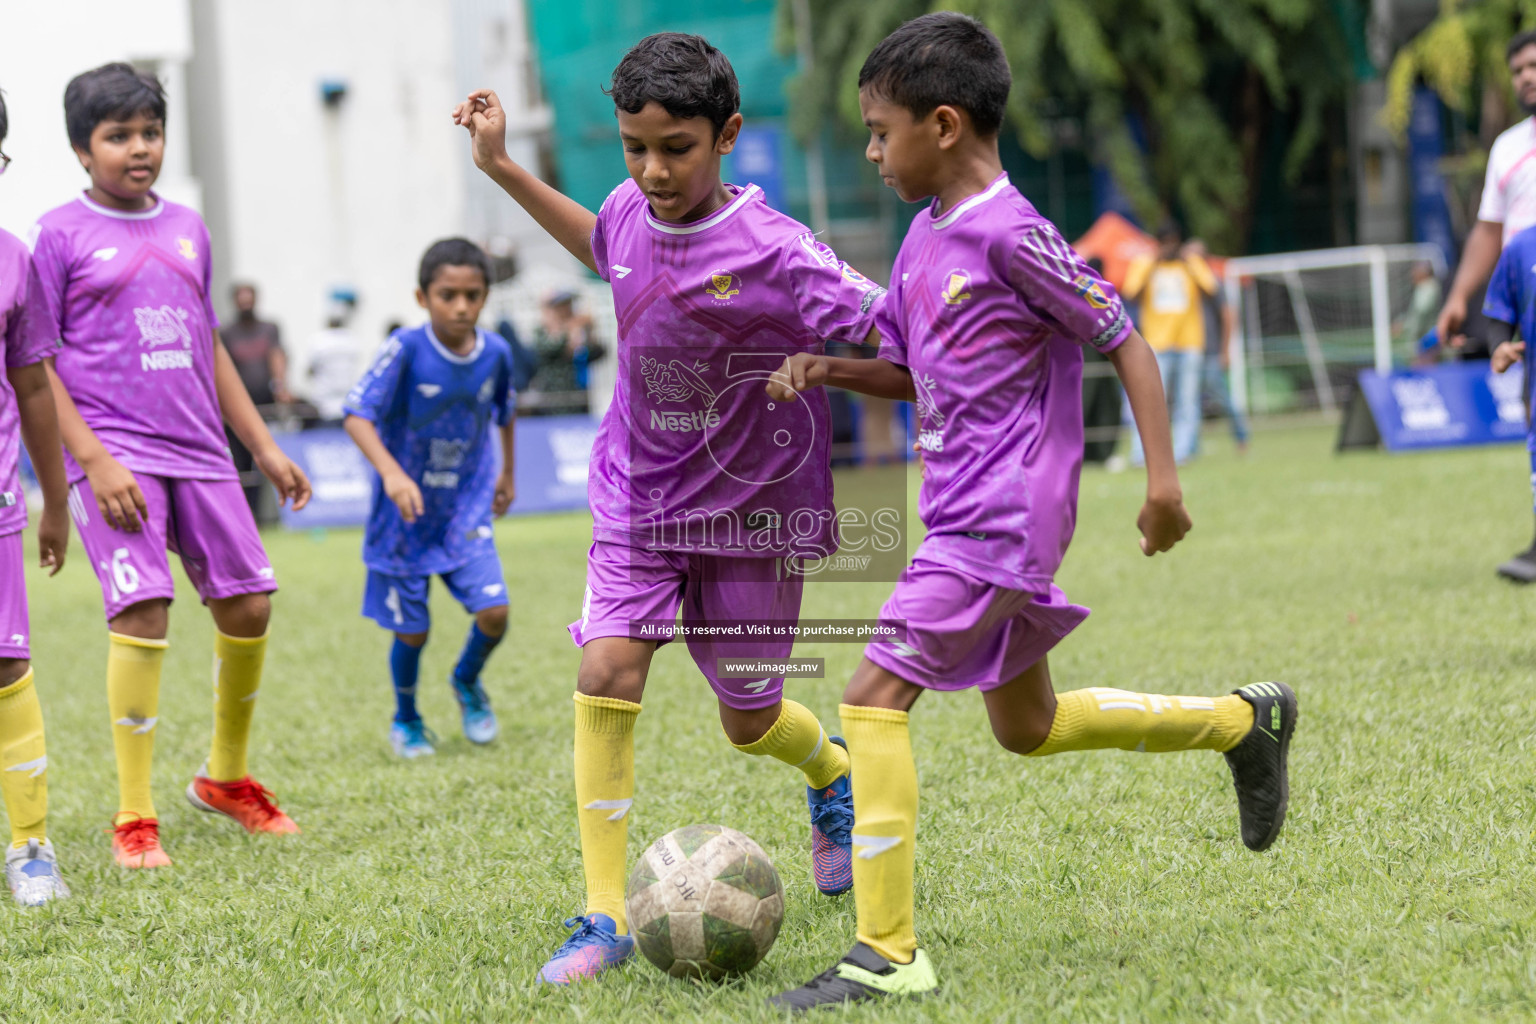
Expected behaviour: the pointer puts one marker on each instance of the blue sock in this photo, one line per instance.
(477, 647)
(405, 666)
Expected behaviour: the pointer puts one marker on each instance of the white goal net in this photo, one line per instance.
(1306, 322)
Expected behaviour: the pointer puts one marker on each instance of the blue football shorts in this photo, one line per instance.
(399, 603)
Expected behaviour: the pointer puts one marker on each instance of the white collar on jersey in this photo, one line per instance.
(742, 198)
(449, 354)
(107, 211)
(998, 184)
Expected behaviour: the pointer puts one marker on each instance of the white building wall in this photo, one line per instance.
(45, 44)
(316, 197)
(301, 197)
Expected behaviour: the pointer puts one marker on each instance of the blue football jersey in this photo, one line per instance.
(434, 410)
(1511, 296)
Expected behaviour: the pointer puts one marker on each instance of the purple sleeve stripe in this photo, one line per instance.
(1039, 244)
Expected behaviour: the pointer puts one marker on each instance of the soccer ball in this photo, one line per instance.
(704, 902)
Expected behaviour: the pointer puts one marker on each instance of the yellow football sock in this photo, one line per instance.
(884, 828)
(798, 740)
(133, 699)
(605, 789)
(237, 662)
(1100, 717)
(23, 761)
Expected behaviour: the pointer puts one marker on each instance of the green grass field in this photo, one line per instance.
(1097, 886)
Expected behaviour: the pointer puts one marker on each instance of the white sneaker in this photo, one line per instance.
(32, 872)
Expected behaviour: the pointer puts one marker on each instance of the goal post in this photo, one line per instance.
(1305, 322)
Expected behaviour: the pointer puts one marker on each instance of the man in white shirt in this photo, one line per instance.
(1508, 208)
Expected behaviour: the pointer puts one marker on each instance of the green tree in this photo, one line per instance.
(1461, 56)
(1203, 78)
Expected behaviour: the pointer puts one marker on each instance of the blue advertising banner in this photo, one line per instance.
(1435, 407)
(552, 456)
(758, 158)
(1426, 147)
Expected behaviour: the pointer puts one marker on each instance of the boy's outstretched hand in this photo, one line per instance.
(1507, 354)
(483, 116)
(799, 372)
(1163, 523)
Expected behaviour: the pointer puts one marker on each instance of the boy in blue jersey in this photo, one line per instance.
(1510, 303)
(421, 415)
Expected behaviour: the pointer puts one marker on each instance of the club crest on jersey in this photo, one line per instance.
(957, 287)
(722, 284)
(1089, 291)
(186, 248)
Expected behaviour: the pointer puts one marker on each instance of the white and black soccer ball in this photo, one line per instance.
(704, 902)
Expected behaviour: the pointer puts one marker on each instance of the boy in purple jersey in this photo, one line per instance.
(422, 414)
(29, 336)
(987, 312)
(142, 383)
(704, 495)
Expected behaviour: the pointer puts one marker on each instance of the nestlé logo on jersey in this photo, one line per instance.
(930, 433)
(675, 381)
(186, 248)
(160, 327)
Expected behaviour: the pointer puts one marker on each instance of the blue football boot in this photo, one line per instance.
(832, 832)
(480, 724)
(593, 947)
(412, 739)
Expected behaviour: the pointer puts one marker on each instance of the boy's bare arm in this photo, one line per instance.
(398, 485)
(566, 220)
(1163, 520)
(241, 415)
(40, 431)
(506, 483)
(875, 377)
(118, 498)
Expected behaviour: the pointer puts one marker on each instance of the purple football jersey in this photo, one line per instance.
(691, 455)
(131, 294)
(30, 335)
(988, 307)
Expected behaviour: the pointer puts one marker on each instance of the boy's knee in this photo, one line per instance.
(244, 615)
(1022, 734)
(873, 687)
(13, 670)
(412, 639)
(604, 678)
(147, 620)
(492, 621)
(743, 728)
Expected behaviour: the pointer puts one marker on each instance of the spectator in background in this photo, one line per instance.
(1419, 319)
(565, 347)
(256, 348)
(334, 360)
(1216, 363)
(524, 365)
(1170, 290)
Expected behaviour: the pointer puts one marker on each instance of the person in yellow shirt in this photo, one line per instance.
(1170, 291)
